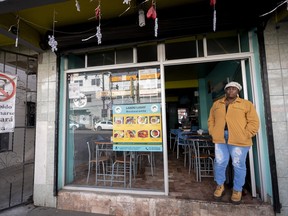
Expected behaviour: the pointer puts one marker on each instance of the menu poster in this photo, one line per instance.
(137, 127)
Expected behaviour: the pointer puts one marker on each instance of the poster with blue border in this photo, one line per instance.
(137, 127)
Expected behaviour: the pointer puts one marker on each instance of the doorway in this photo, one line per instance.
(193, 88)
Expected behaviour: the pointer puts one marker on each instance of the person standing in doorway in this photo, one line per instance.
(232, 123)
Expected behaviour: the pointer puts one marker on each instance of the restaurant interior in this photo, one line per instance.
(184, 180)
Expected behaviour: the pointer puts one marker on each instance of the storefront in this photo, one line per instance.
(127, 87)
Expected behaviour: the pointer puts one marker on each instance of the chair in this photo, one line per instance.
(97, 158)
(175, 133)
(201, 158)
(123, 165)
(183, 142)
(150, 158)
(173, 136)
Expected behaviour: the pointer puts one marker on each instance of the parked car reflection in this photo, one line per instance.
(73, 125)
(103, 125)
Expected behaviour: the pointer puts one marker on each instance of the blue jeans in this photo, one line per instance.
(238, 154)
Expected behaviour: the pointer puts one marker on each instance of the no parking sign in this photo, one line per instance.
(7, 102)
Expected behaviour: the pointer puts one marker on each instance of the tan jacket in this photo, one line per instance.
(242, 121)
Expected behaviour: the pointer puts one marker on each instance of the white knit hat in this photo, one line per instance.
(234, 84)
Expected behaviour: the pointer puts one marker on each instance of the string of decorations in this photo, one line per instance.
(98, 28)
(77, 5)
(52, 42)
(17, 33)
(274, 9)
(48, 29)
(151, 14)
(128, 2)
(213, 4)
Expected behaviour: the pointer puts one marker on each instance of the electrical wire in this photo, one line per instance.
(286, 1)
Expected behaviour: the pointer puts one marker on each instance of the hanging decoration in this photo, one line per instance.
(128, 3)
(52, 42)
(153, 15)
(98, 28)
(98, 12)
(99, 35)
(141, 18)
(156, 27)
(213, 4)
(17, 33)
(77, 5)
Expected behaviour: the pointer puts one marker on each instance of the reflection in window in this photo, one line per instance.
(100, 58)
(90, 108)
(124, 56)
(223, 45)
(4, 142)
(76, 61)
(147, 53)
(79, 81)
(181, 50)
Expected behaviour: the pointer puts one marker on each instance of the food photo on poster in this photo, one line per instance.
(155, 133)
(154, 119)
(130, 120)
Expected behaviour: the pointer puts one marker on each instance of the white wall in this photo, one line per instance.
(276, 45)
(45, 131)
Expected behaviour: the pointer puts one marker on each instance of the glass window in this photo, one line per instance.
(147, 53)
(186, 49)
(76, 61)
(101, 58)
(200, 48)
(223, 45)
(4, 142)
(124, 56)
(115, 139)
(80, 82)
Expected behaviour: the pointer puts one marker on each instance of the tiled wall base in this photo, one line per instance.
(132, 205)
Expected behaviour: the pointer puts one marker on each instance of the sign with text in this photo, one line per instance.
(137, 127)
(7, 102)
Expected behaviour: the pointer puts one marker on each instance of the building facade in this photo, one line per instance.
(263, 72)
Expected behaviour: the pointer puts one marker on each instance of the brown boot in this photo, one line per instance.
(219, 192)
(236, 197)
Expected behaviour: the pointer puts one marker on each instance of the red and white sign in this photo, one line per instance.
(7, 102)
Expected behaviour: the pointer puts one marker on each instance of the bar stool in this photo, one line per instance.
(150, 158)
(98, 160)
(201, 158)
(120, 167)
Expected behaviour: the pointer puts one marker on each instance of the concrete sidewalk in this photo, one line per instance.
(31, 210)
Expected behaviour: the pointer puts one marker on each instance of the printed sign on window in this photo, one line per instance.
(7, 102)
(137, 127)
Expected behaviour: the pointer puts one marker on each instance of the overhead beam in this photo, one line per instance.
(181, 84)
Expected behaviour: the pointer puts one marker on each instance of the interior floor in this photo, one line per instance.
(182, 185)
